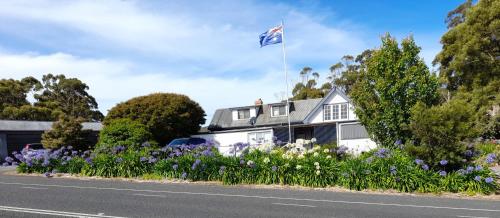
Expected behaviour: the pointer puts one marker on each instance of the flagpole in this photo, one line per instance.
(286, 79)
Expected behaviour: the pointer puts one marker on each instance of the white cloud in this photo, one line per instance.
(111, 82)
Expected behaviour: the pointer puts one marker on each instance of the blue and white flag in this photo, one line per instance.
(272, 36)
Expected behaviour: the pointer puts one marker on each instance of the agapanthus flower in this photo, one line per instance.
(318, 167)
(468, 153)
(479, 168)
(382, 153)
(477, 178)
(45, 163)
(119, 160)
(242, 162)
(443, 162)
(342, 150)
(183, 175)
(425, 167)
(316, 164)
(329, 157)
(488, 180)
(222, 169)
(419, 162)
(146, 144)
(175, 166)
(250, 163)
(461, 172)
(298, 167)
(143, 159)
(152, 160)
(369, 160)
(315, 154)
(88, 160)
(47, 174)
(274, 168)
(70, 147)
(398, 142)
(442, 173)
(155, 153)
(326, 150)
(5, 164)
(490, 158)
(9, 159)
(393, 170)
(74, 153)
(318, 172)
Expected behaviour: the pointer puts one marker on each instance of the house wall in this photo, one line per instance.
(357, 141)
(3, 147)
(225, 140)
(317, 116)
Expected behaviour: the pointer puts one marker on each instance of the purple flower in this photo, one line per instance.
(398, 142)
(222, 169)
(47, 174)
(443, 162)
(184, 175)
(461, 172)
(342, 150)
(393, 170)
(9, 159)
(369, 160)
(488, 180)
(175, 166)
(477, 178)
(442, 173)
(45, 163)
(469, 153)
(5, 164)
(73, 153)
(118, 160)
(152, 160)
(146, 144)
(242, 162)
(419, 162)
(88, 160)
(274, 168)
(207, 152)
(143, 159)
(155, 153)
(382, 153)
(490, 158)
(425, 167)
(479, 168)
(469, 169)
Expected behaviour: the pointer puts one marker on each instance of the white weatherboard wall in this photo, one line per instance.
(356, 146)
(225, 140)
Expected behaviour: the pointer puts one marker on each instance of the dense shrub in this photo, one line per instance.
(439, 132)
(124, 132)
(166, 115)
(291, 165)
(65, 131)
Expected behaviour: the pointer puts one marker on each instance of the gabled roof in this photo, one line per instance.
(223, 118)
(319, 106)
(23, 125)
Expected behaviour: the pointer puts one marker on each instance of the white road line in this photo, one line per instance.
(161, 196)
(35, 188)
(297, 205)
(254, 196)
(473, 216)
(53, 212)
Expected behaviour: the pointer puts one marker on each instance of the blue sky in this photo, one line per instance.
(208, 51)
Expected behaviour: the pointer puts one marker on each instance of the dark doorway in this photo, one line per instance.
(306, 133)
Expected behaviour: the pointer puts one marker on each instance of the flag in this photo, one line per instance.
(272, 36)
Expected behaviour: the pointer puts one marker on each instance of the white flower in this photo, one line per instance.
(274, 151)
(316, 147)
(315, 154)
(316, 164)
(286, 165)
(318, 167)
(326, 150)
(318, 172)
(298, 167)
(300, 156)
(329, 156)
(249, 163)
(266, 160)
(313, 140)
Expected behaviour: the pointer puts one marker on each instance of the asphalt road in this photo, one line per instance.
(28, 196)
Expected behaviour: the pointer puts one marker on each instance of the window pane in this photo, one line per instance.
(327, 112)
(335, 114)
(282, 110)
(343, 111)
(243, 114)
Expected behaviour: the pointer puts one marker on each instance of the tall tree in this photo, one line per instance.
(14, 93)
(396, 78)
(352, 71)
(471, 48)
(68, 95)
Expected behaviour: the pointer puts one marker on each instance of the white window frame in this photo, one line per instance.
(279, 115)
(244, 118)
(262, 137)
(332, 112)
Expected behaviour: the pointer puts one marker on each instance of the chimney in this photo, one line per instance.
(258, 102)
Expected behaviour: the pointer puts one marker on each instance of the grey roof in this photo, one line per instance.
(22, 125)
(223, 119)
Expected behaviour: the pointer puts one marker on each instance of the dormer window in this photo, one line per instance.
(243, 114)
(278, 110)
(335, 112)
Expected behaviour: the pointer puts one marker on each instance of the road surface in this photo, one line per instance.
(30, 196)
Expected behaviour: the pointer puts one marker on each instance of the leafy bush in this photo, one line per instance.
(439, 132)
(166, 115)
(316, 167)
(123, 132)
(65, 131)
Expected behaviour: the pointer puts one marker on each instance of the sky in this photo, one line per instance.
(207, 50)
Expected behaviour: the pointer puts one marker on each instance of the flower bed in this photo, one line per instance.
(288, 165)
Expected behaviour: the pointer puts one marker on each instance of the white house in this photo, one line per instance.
(328, 119)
